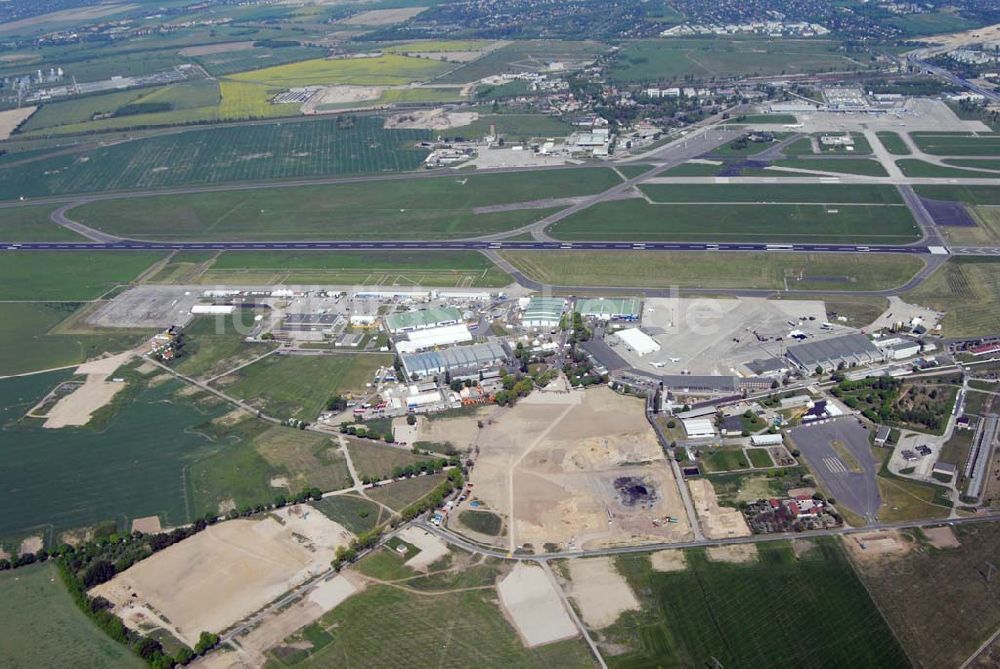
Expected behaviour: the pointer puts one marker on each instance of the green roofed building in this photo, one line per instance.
(421, 319)
(610, 309)
(543, 312)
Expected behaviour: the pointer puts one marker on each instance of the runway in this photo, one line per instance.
(474, 245)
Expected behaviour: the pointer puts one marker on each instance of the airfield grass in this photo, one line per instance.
(437, 46)
(985, 232)
(752, 614)
(693, 170)
(638, 220)
(975, 163)
(357, 514)
(28, 343)
(893, 143)
(401, 494)
(208, 354)
(303, 149)
(775, 271)
(858, 166)
(976, 195)
(912, 590)
(516, 127)
(385, 70)
(957, 144)
(243, 60)
(859, 311)
(44, 628)
(912, 167)
(67, 275)
(463, 628)
(773, 193)
(287, 386)
(968, 291)
(418, 208)
(904, 499)
(677, 58)
(32, 224)
(426, 268)
(374, 460)
(767, 119)
(57, 480)
(523, 56)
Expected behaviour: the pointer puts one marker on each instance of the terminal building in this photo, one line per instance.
(422, 319)
(627, 309)
(851, 349)
(458, 361)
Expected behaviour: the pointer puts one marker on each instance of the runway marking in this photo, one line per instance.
(835, 466)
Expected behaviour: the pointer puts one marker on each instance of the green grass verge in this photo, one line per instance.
(912, 167)
(893, 143)
(957, 144)
(32, 224)
(968, 291)
(655, 269)
(977, 195)
(859, 166)
(638, 220)
(713, 612)
(44, 628)
(68, 275)
(773, 193)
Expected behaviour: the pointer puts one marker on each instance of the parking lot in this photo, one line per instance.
(838, 453)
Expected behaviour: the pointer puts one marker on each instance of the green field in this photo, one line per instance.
(759, 457)
(287, 386)
(859, 166)
(32, 224)
(637, 220)
(656, 269)
(374, 460)
(773, 193)
(912, 167)
(305, 149)
(957, 144)
(977, 195)
(767, 119)
(753, 614)
(55, 480)
(932, 23)
(976, 163)
(484, 522)
(419, 208)
(243, 60)
(893, 143)
(438, 629)
(523, 56)
(213, 346)
(385, 70)
(430, 268)
(968, 291)
(44, 628)
(69, 276)
(514, 127)
(401, 494)
(723, 459)
(705, 58)
(29, 343)
(355, 513)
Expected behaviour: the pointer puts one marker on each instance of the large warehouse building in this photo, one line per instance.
(851, 349)
(421, 319)
(638, 341)
(610, 309)
(421, 340)
(459, 361)
(543, 312)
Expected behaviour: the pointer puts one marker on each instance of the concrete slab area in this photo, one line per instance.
(838, 453)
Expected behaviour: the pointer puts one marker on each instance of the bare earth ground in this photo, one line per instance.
(668, 560)
(974, 36)
(718, 522)
(942, 537)
(875, 545)
(461, 431)
(549, 465)
(735, 553)
(31, 545)
(147, 525)
(342, 94)
(252, 647)
(12, 118)
(600, 591)
(98, 390)
(382, 17)
(431, 548)
(209, 49)
(531, 602)
(430, 119)
(224, 573)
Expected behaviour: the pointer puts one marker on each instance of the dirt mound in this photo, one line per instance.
(430, 119)
(669, 560)
(600, 591)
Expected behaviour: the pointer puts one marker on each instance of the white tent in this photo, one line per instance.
(638, 341)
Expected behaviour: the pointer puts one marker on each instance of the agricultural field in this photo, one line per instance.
(287, 386)
(637, 220)
(418, 208)
(96, 480)
(523, 56)
(401, 494)
(357, 514)
(32, 224)
(222, 63)
(968, 291)
(374, 460)
(67, 276)
(31, 340)
(384, 70)
(957, 144)
(712, 611)
(706, 58)
(932, 23)
(307, 149)
(913, 588)
(655, 269)
(432, 268)
(44, 628)
(478, 635)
